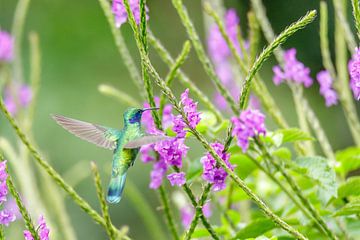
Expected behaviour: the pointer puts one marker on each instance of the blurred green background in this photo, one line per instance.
(78, 54)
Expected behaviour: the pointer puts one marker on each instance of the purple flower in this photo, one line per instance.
(167, 119)
(3, 173)
(42, 230)
(325, 81)
(157, 174)
(119, 11)
(172, 151)
(179, 126)
(187, 215)
(3, 191)
(17, 96)
(145, 153)
(354, 71)
(250, 124)
(294, 70)
(177, 179)
(190, 109)
(6, 217)
(6, 47)
(207, 210)
(211, 172)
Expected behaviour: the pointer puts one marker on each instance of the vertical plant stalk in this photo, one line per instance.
(24, 213)
(145, 211)
(55, 175)
(168, 215)
(199, 49)
(117, 94)
(21, 10)
(356, 14)
(104, 207)
(2, 234)
(122, 48)
(179, 61)
(344, 25)
(198, 211)
(183, 79)
(342, 83)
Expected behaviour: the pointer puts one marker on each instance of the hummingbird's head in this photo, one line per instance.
(133, 115)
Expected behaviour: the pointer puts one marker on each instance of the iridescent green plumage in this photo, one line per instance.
(125, 143)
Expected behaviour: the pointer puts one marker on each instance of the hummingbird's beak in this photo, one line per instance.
(152, 109)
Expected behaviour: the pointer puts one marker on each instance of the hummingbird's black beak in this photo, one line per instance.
(152, 109)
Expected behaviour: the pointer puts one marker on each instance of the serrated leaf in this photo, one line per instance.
(350, 188)
(349, 209)
(255, 228)
(318, 169)
(244, 165)
(349, 159)
(294, 134)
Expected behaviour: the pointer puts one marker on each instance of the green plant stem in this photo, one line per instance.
(21, 10)
(117, 94)
(317, 217)
(53, 174)
(168, 215)
(342, 83)
(198, 211)
(184, 80)
(2, 235)
(122, 48)
(145, 211)
(356, 13)
(24, 213)
(199, 49)
(174, 71)
(104, 207)
(266, 53)
(344, 25)
(286, 191)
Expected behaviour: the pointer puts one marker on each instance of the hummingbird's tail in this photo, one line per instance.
(116, 188)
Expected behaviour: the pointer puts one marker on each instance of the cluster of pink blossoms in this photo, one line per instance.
(42, 230)
(6, 216)
(293, 70)
(6, 47)
(17, 96)
(120, 14)
(325, 80)
(171, 152)
(354, 71)
(213, 173)
(251, 123)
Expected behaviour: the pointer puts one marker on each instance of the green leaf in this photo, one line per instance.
(255, 228)
(194, 170)
(349, 209)
(318, 169)
(349, 160)
(283, 153)
(350, 188)
(208, 120)
(294, 134)
(203, 232)
(244, 165)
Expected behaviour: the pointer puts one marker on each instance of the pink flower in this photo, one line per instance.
(354, 71)
(119, 11)
(326, 90)
(42, 230)
(177, 179)
(6, 47)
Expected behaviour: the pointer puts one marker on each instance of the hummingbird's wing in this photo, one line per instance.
(144, 140)
(101, 136)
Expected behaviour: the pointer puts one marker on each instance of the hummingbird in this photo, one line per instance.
(125, 144)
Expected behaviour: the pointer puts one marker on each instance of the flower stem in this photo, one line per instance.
(174, 71)
(104, 207)
(53, 174)
(198, 211)
(146, 212)
(168, 215)
(119, 95)
(166, 57)
(2, 235)
(24, 213)
(356, 13)
(199, 49)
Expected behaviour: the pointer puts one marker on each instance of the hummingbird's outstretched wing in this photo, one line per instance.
(101, 136)
(144, 140)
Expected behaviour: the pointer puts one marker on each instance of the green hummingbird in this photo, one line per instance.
(125, 143)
